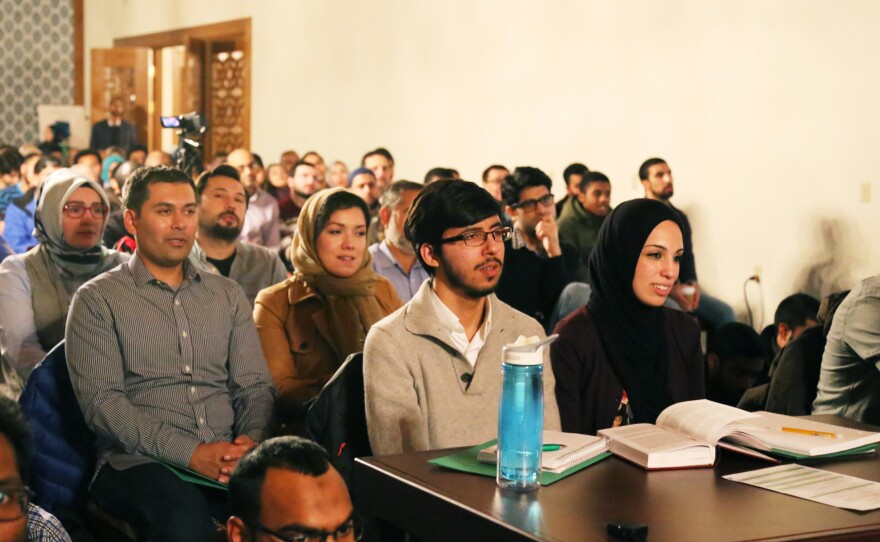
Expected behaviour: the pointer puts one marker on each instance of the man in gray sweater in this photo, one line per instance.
(432, 369)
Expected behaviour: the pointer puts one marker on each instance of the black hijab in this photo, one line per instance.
(631, 332)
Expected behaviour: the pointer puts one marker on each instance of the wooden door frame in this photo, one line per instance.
(238, 30)
(79, 64)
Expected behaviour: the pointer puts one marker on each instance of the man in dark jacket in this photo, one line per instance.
(657, 180)
(537, 266)
(583, 215)
(113, 131)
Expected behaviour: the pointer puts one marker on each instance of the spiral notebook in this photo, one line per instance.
(562, 451)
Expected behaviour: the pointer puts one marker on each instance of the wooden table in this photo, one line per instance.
(694, 504)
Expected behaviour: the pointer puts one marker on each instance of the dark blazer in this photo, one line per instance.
(104, 136)
(587, 390)
(532, 284)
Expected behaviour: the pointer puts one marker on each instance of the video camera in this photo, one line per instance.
(190, 124)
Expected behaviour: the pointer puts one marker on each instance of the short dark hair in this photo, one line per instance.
(735, 340)
(381, 151)
(15, 428)
(311, 153)
(137, 187)
(646, 165)
(290, 453)
(574, 169)
(136, 148)
(45, 161)
(490, 168)
(522, 178)
(339, 201)
(297, 164)
(591, 177)
(446, 204)
(438, 173)
(795, 310)
(257, 160)
(391, 197)
(10, 162)
(87, 152)
(223, 170)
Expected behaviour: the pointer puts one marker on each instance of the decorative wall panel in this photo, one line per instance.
(36, 64)
(227, 100)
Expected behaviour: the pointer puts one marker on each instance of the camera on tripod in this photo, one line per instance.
(189, 127)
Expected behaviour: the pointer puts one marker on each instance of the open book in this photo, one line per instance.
(562, 451)
(686, 434)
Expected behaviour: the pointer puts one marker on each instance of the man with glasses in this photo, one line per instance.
(432, 370)
(261, 222)
(538, 266)
(287, 490)
(20, 520)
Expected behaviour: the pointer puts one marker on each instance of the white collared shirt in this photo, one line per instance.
(457, 335)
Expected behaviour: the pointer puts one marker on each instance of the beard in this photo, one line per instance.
(398, 240)
(474, 292)
(663, 195)
(224, 233)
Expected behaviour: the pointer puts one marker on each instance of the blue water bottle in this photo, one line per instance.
(521, 414)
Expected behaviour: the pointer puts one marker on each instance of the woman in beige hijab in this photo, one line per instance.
(311, 322)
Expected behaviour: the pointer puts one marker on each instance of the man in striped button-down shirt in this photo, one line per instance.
(166, 364)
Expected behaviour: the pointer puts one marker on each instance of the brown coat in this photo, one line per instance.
(292, 321)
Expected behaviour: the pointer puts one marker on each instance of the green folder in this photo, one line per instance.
(466, 461)
(867, 448)
(193, 477)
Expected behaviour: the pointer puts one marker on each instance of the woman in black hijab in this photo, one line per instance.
(624, 357)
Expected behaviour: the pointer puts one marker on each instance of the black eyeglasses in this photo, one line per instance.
(352, 529)
(14, 503)
(530, 204)
(77, 210)
(479, 238)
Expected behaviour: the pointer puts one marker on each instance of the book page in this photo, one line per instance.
(799, 435)
(701, 419)
(650, 438)
(816, 485)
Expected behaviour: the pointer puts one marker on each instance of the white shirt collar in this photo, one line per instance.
(457, 336)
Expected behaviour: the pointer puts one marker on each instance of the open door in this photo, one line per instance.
(124, 73)
(194, 76)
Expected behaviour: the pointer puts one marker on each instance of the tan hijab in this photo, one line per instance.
(352, 306)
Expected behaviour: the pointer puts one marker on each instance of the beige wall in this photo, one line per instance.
(767, 111)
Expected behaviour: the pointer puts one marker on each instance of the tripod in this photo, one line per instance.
(189, 157)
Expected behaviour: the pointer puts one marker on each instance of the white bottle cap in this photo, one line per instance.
(526, 350)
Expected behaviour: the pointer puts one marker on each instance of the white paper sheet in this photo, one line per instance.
(815, 485)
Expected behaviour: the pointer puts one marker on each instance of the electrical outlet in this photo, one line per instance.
(866, 193)
(757, 272)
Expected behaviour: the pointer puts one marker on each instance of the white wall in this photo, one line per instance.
(765, 109)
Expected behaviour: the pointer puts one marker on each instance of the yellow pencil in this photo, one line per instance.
(811, 432)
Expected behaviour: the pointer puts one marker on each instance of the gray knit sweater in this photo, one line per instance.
(416, 398)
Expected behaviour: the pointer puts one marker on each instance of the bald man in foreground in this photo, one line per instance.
(286, 489)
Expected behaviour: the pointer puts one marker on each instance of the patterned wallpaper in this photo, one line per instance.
(36, 64)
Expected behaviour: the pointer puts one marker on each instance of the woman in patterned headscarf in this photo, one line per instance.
(311, 322)
(36, 287)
